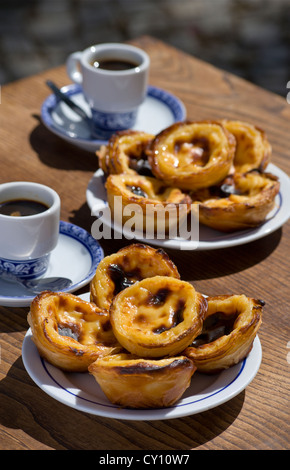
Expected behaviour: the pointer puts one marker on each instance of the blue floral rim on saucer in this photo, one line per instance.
(90, 243)
(173, 103)
(92, 253)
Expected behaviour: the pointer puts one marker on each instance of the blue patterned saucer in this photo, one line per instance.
(76, 256)
(159, 110)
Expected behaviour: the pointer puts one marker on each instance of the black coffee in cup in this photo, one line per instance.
(112, 64)
(22, 207)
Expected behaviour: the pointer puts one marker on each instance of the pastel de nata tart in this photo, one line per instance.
(69, 332)
(253, 150)
(132, 382)
(192, 155)
(157, 317)
(129, 265)
(125, 153)
(242, 201)
(229, 329)
(146, 202)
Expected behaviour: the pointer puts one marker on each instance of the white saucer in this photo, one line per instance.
(76, 256)
(208, 239)
(80, 390)
(159, 110)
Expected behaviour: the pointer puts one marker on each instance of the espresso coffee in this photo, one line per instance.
(113, 64)
(22, 207)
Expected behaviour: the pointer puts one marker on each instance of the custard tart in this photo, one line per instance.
(192, 155)
(129, 265)
(229, 329)
(126, 153)
(147, 203)
(242, 201)
(253, 150)
(158, 316)
(132, 382)
(69, 332)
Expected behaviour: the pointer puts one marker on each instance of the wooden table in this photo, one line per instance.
(258, 417)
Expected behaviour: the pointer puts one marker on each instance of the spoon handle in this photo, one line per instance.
(39, 284)
(63, 97)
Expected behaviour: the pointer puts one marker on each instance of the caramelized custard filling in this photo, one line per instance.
(137, 191)
(198, 150)
(246, 186)
(161, 310)
(225, 189)
(176, 318)
(70, 331)
(87, 332)
(122, 279)
(159, 298)
(215, 326)
(140, 165)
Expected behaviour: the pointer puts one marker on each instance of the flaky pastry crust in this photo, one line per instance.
(242, 201)
(129, 265)
(157, 316)
(125, 153)
(192, 155)
(155, 206)
(132, 382)
(230, 327)
(69, 332)
(253, 150)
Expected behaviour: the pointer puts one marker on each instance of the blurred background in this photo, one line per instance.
(250, 38)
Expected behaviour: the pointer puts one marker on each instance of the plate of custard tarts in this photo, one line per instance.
(142, 344)
(214, 175)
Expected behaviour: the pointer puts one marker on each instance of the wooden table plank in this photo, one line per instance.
(258, 418)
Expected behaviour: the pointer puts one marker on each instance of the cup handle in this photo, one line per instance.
(73, 67)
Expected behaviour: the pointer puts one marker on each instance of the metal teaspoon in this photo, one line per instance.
(38, 285)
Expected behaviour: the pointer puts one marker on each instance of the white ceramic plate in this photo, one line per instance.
(208, 238)
(82, 392)
(76, 256)
(159, 110)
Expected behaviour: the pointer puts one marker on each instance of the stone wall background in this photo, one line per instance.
(250, 38)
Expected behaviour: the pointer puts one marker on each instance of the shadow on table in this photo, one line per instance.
(51, 424)
(51, 149)
(208, 264)
(196, 265)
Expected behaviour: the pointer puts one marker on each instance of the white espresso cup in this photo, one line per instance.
(114, 80)
(26, 241)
